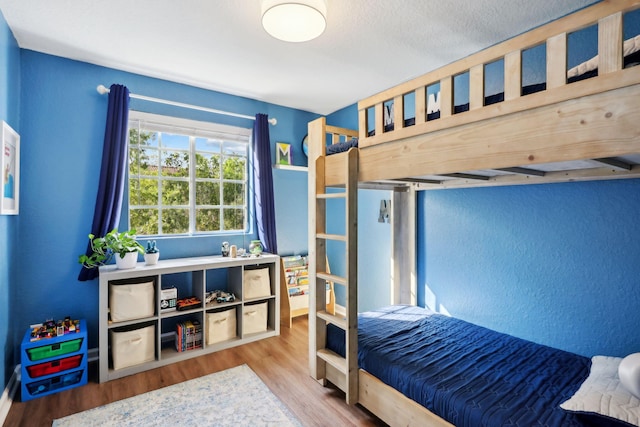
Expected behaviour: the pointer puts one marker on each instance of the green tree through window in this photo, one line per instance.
(186, 179)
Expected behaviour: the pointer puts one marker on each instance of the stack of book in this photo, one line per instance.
(188, 335)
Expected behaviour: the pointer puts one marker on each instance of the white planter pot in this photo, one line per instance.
(151, 259)
(129, 261)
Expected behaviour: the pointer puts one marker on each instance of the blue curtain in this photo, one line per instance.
(263, 183)
(112, 172)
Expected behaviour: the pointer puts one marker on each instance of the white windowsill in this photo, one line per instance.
(291, 168)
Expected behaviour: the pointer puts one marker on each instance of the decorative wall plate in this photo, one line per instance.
(305, 145)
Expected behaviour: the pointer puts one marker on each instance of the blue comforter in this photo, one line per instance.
(469, 375)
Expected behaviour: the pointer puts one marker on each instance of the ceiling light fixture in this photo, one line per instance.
(294, 20)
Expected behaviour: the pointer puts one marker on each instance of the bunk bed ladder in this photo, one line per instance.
(345, 368)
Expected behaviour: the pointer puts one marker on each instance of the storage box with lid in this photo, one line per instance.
(129, 301)
(130, 347)
(221, 326)
(254, 318)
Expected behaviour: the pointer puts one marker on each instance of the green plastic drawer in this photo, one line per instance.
(53, 350)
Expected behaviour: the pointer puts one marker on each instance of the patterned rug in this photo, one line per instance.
(235, 397)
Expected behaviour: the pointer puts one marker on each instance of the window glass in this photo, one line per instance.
(187, 177)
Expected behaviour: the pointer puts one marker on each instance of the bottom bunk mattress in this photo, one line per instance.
(466, 374)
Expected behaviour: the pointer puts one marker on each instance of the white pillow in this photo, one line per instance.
(629, 373)
(602, 393)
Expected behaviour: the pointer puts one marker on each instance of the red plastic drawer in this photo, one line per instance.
(54, 366)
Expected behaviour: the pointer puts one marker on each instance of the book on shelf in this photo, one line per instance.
(188, 335)
(294, 261)
(296, 291)
(296, 270)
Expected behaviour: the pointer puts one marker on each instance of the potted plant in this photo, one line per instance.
(123, 246)
(152, 253)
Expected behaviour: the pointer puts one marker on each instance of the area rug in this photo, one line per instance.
(235, 397)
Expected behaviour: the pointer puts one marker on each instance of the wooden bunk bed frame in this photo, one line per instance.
(586, 130)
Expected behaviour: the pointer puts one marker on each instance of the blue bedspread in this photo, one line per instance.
(341, 146)
(469, 375)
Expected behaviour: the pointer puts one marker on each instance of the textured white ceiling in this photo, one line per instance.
(368, 46)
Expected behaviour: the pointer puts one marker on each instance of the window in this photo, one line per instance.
(187, 177)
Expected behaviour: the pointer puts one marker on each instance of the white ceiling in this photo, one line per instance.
(368, 46)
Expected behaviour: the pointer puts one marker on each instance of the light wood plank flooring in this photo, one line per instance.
(281, 362)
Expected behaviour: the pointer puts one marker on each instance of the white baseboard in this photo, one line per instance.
(8, 394)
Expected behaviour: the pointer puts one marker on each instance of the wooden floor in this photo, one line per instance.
(281, 362)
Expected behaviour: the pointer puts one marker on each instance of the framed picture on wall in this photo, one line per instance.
(283, 153)
(10, 189)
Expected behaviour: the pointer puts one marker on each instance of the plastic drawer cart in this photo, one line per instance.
(54, 364)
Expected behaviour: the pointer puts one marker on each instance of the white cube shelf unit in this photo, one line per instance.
(192, 277)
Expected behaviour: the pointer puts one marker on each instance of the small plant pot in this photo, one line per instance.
(151, 259)
(129, 261)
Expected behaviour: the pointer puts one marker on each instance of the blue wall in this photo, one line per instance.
(291, 211)
(9, 109)
(63, 126)
(556, 264)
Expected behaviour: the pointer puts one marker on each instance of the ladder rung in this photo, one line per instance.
(331, 278)
(331, 195)
(333, 359)
(325, 236)
(339, 321)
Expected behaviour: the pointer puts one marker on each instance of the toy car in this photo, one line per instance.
(225, 297)
(219, 297)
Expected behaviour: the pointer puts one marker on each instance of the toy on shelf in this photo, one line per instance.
(219, 297)
(188, 303)
(51, 328)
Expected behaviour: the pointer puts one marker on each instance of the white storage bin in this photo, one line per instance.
(257, 283)
(131, 348)
(255, 318)
(221, 326)
(131, 301)
(298, 302)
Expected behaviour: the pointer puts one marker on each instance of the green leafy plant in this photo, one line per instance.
(104, 248)
(151, 247)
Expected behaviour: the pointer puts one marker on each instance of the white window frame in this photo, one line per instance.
(196, 129)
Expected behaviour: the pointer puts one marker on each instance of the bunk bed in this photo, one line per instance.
(575, 126)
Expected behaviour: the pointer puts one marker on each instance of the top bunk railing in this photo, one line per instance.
(428, 103)
(321, 137)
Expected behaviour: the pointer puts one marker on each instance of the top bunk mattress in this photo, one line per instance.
(466, 374)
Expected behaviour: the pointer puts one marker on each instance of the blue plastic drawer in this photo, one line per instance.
(55, 383)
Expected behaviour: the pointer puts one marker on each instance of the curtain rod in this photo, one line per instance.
(103, 90)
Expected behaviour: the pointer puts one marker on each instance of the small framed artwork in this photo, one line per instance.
(283, 153)
(10, 190)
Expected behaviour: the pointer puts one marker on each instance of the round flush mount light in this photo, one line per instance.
(294, 20)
